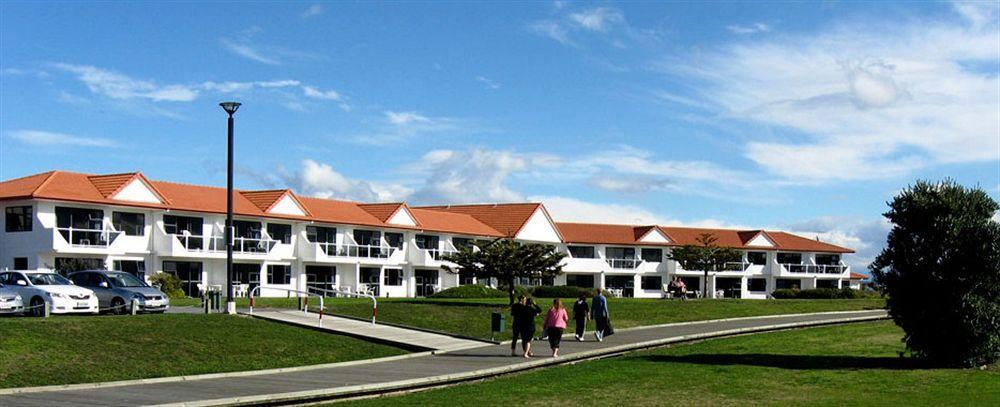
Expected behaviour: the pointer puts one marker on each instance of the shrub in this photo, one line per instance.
(470, 291)
(941, 271)
(169, 284)
(819, 293)
(560, 291)
(785, 293)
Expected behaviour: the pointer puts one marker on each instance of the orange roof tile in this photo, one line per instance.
(23, 187)
(382, 211)
(107, 185)
(507, 218)
(265, 199)
(452, 222)
(599, 233)
(858, 276)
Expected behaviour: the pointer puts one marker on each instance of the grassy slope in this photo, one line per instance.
(838, 365)
(472, 317)
(60, 350)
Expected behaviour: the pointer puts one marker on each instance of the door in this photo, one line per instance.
(321, 277)
(426, 281)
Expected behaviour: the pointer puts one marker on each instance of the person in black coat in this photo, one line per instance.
(523, 313)
(581, 313)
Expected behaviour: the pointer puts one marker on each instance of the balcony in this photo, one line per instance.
(814, 269)
(217, 244)
(624, 264)
(735, 266)
(88, 238)
(332, 249)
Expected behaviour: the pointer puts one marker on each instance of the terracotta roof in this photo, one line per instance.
(858, 276)
(382, 211)
(23, 187)
(507, 218)
(452, 222)
(264, 200)
(598, 233)
(107, 185)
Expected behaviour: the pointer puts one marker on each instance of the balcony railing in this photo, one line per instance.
(811, 268)
(734, 266)
(194, 243)
(356, 250)
(624, 264)
(437, 254)
(93, 238)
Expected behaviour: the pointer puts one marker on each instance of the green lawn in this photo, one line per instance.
(472, 317)
(74, 349)
(854, 364)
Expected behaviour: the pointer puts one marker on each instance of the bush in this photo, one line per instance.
(785, 293)
(822, 293)
(470, 291)
(941, 271)
(560, 291)
(169, 284)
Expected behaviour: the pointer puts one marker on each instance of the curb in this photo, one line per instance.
(309, 396)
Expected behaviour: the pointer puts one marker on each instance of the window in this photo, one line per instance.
(826, 283)
(827, 259)
(18, 219)
(279, 274)
(134, 267)
(620, 252)
(79, 218)
(321, 277)
(652, 255)
(786, 283)
(280, 232)
(652, 283)
(393, 277)
(461, 242)
(582, 252)
(177, 225)
(756, 284)
(466, 278)
(758, 258)
(790, 258)
(247, 229)
(320, 234)
(20, 263)
(188, 272)
(394, 239)
(132, 224)
(580, 280)
(427, 242)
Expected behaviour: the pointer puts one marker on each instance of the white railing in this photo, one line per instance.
(350, 294)
(356, 250)
(812, 268)
(194, 243)
(437, 254)
(624, 263)
(735, 266)
(305, 308)
(253, 244)
(100, 238)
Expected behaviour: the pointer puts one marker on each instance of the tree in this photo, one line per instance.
(705, 256)
(941, 271)
(506, 261)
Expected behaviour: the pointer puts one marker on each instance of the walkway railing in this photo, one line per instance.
(305, 307)
(359, 295)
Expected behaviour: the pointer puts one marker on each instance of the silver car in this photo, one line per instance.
(116, 291)
(10, 301)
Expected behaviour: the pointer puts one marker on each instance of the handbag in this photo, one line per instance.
(608, 329)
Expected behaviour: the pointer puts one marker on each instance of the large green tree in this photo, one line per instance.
(941, 271)
(706, 256)
(506, 261)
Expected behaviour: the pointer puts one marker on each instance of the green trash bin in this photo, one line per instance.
(497, 321)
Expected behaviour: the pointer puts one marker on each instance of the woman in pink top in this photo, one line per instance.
(555, 323)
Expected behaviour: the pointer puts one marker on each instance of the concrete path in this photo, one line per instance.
(401, 373)
(392, 335)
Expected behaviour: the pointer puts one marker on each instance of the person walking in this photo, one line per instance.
(599, 313)
(581, 313)
(555, 324)
(524, 313)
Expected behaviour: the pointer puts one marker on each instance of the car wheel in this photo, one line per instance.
(37, 305)
(118, 306)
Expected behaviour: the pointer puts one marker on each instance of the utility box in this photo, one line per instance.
(498, 321)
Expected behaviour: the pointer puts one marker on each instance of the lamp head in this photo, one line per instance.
(230, 107)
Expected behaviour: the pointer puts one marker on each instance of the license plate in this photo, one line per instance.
(82, 304)
(6, 306)
(153, 303)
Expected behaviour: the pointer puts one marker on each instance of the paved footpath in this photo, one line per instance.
(418, 370)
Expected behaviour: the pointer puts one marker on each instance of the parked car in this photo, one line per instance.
(116, 289)
(38, 287)
(10, 301)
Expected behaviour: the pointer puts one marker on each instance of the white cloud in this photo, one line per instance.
(47, 138)
(405, 118)
(866, 236)
(118, 86)
(321, 180)
(564, 209)
(597, 19)
(551, 29)
(469, 176)
(748, 29)
(491, 84)
(321, 94)
(232, 87)
(247, 50)
(313, 10)
(855, 102)
(401, 126)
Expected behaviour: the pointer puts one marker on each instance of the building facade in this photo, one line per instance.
(61, 220)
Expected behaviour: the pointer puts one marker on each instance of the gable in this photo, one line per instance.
(654, 236)
(136, 191)
(539, 228)
(402, 217)
(287, 206)
(760, 240)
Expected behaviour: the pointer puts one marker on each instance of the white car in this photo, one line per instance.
(10, 301)
(38, 287)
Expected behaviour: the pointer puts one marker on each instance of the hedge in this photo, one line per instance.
(470, 291)
(561, 291)
(822, 293)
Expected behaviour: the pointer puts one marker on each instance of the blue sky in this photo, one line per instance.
(799, 116)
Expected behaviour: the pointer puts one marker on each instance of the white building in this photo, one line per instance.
(128, 222)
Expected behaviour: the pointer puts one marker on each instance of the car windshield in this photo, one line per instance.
(125, 280)
(47, 279)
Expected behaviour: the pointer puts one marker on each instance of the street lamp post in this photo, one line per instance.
(230, 108)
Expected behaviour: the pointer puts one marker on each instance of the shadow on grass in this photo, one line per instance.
(800, 362)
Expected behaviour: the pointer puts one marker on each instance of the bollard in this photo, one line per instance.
(305, 309)
(374, 309)
(47, 308)
(206, 302)
(135, 306)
